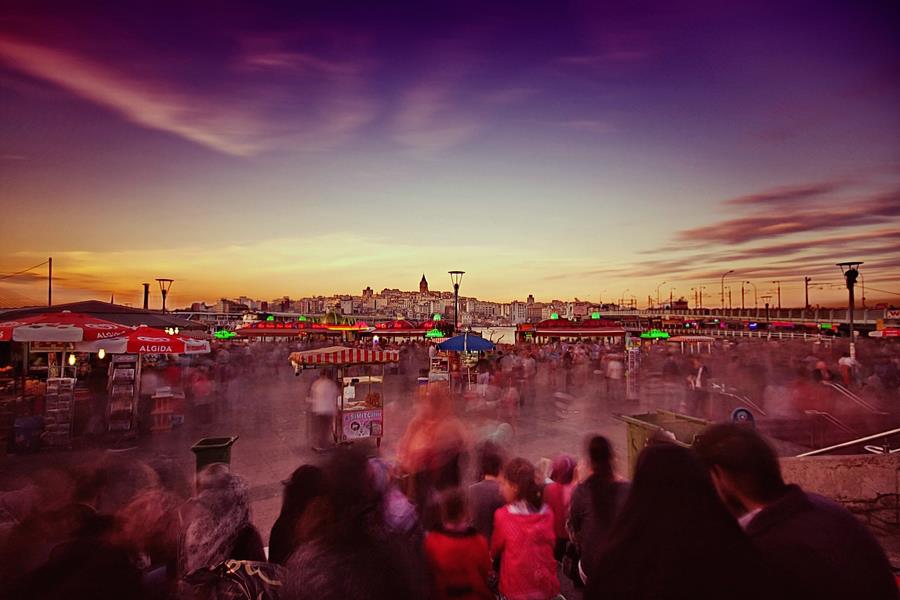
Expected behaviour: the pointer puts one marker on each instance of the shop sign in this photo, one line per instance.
(892, 314)
(356, 424)
(51, 347)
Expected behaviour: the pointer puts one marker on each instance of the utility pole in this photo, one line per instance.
(742, 294)
(806, 281)
(50, 281)
(729, 297)
(778, 283)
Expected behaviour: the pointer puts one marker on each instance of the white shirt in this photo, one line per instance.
(323, 396)
(744, 521)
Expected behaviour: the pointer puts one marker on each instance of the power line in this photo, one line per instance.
(882, 291)
(24, 270)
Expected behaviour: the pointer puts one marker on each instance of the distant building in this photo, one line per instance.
(423, 285)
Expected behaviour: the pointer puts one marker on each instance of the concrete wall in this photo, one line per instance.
(867, 484)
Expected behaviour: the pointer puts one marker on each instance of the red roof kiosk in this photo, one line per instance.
(361, 403)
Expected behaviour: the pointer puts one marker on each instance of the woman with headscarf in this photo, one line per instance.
(217, 522)
(558, 496)
(674, 538)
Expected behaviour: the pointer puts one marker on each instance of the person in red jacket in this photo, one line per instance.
(523, 537)
(457, 554)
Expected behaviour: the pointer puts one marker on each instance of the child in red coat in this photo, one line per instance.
(523, 537)
(457, 554)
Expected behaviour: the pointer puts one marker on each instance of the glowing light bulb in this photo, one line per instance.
(101, 354)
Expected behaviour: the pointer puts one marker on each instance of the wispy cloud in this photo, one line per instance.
(428, 122)
(787, 194)
(244, 123)
(776, 223)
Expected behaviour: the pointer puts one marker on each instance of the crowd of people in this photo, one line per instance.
(712, 521)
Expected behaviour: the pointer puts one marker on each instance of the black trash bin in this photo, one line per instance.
(213, 450)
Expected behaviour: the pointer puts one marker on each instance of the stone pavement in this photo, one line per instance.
(268, 415)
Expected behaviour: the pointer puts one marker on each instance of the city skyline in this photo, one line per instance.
(557, 149)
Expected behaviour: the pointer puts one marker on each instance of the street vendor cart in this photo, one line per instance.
(360, 378)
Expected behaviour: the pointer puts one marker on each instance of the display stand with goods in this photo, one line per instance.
(58, 413)
(124, 375)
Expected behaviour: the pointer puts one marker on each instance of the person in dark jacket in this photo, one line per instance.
(674, 539)
(595, 502)
(813, 547)
(484, 496)
(306, 483)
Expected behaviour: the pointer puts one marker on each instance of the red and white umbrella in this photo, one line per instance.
(62, 326)
(146, 340)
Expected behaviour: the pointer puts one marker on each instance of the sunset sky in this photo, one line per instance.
(561, 148)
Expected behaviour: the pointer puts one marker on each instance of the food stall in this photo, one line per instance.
(360, 378)
(42, 404)
(125, 377)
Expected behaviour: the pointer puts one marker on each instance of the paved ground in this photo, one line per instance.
(269, 417)
(268, 414)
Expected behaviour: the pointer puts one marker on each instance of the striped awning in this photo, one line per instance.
(341, 355)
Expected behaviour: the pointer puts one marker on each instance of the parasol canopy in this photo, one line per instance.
(60, 327)
(466, 342)
(146, 340)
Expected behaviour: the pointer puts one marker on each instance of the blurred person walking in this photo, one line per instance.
(323, 398)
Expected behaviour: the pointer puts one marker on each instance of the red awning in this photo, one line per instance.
(60, 327)
(147, 340)
(583, 332)
(341, 355)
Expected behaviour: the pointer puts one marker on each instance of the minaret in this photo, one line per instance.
(423, 285)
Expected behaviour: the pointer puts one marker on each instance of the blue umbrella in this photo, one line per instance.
(466, 343)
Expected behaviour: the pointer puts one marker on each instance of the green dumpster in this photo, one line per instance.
(213, 450)
(642, 427)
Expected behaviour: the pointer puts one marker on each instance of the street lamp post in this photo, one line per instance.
(722, 282)
(657, 293)
(778, 283)
(164, 286)
(742, 294)
(456, 278)
(701, 288)
(755, 296)
(671, 294)
(850, 271)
